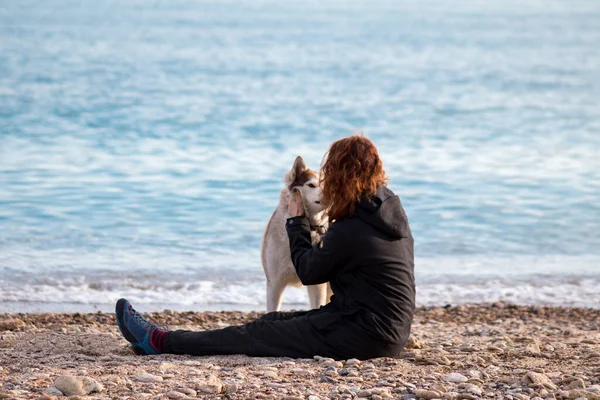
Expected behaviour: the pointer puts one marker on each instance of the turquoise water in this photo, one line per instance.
(143, 144)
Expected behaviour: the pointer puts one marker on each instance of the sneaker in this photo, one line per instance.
(143, 335)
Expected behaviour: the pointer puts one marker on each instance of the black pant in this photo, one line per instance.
(283, 334)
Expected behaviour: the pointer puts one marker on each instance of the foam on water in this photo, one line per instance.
(143, 145)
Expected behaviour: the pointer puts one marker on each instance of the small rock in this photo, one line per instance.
(533, 347)
(275, 385)
(270, 374)
(414, 343)
(577, 384)
(173, 394)
(210, 385)
(313, 397)
(332, 363)
(188, 391)
(326, 379)
(11, 324)
(474, 389)
(300, 371)
(427, 394)
(352, 362)
(54, 392)
(231, 388)
(69, 385)
(577, 394)
(91, 385)
(371, 375)
(354, 378)
(456, 378)
(144, 377)
(540, 379)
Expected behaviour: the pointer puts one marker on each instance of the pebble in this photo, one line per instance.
(540, 379)
(427, 394)
(300, 371)
(173, 394)
(476, 390)
(72, 385)
(54, 392)
(270, 374)
(352, 362)
(11, 324)
(456, 378)
(275, 385)
(332, 363)
(144, 377)
(313, 397)
(210, 385)
(90, 385)
(331, 371)
(577, 384)
(231, 388)
(327, 379)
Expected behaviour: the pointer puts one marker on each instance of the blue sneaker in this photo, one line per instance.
(145, 337)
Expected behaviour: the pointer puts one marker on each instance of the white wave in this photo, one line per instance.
(439, 282)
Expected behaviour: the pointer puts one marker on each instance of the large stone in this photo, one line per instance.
(427, 394)
(11, 324)
(578, 393)
(210, 385)
(91, 385)
(540, 379)
(414, 343)
(456, 378)
(69, 385)
(352, 362)
(144, 377)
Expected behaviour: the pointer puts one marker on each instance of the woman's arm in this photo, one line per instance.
(314, 264)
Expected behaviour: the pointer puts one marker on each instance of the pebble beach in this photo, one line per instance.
(493, 351)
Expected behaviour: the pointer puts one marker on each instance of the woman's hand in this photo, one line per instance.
(295, 204)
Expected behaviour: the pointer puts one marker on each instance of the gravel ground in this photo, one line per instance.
(494, 351)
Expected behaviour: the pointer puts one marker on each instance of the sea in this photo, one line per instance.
(143, 144)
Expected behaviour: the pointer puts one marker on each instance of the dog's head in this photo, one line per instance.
(307, 181)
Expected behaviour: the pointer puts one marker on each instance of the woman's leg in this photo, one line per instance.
(282, 315)
(264, 337)
(279, 334)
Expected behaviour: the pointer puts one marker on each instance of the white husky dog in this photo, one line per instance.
(275, 251)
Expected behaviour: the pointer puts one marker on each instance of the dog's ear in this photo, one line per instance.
(298, 168)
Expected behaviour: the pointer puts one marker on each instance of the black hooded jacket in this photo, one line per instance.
(368, 258)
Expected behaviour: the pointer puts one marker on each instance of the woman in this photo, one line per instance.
(367, 256)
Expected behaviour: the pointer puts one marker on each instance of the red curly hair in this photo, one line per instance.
(350, 170)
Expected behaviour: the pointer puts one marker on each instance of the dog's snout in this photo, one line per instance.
(318, 202)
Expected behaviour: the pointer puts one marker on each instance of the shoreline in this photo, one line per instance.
(468, 352)
(37, 307)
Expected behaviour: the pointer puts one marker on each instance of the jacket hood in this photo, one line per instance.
(385, 213)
